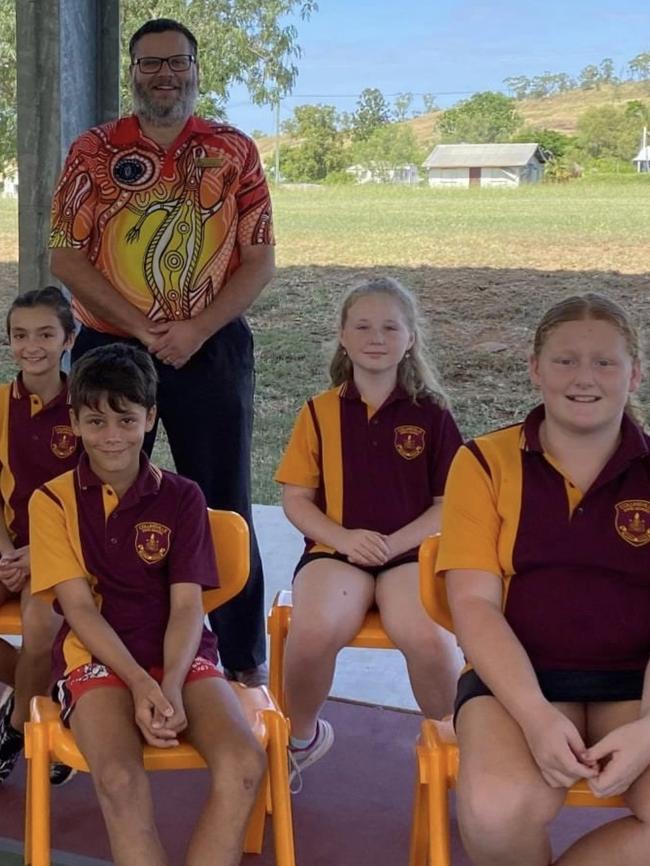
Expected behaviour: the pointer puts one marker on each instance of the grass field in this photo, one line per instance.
(484, 264)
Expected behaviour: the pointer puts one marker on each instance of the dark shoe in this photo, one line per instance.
(11, 741)
(251, 678)
(60, 774)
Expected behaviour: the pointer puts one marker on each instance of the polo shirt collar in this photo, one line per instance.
(349, 391)
(147, 482)
(128, 131)
(633, 445)
(19, 391)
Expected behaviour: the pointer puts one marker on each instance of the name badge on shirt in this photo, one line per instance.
(210, 161)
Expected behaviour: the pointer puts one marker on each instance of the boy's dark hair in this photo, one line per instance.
(118, 372)
(50, 297)
(162, 25)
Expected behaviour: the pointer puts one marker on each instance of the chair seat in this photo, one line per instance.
(62, 743)
(10, 621)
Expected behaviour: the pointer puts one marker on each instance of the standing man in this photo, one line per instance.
(161, 229)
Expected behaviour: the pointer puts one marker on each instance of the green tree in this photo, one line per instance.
(554, 144)
(372, 112)
(318, 147)
(388, 148)
(239, 42)
(606, 70)
(401, 104)
(607, 132)
(518, 85)
(589, 77)
(639, 66)
(7, 86)
(484, 117)
(429, 102)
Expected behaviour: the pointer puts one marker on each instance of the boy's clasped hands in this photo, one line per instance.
(159, 711)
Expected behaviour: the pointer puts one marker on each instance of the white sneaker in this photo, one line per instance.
(300, 759)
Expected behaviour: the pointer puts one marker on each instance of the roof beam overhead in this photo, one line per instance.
(68, 80)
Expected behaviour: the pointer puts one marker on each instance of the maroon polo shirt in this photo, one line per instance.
(372, 470)
(575, 565)
(36, 444)
(131, 551)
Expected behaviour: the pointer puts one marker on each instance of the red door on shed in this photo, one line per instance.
(474, 176)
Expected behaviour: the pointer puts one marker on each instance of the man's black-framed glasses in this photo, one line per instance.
(177, 63)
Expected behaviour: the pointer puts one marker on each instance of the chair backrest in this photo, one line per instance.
(432, 588)
(232, 549)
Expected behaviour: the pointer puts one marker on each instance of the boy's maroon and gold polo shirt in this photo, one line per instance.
(36, 443)
(130, 550)
(374, 470)
(575, 567)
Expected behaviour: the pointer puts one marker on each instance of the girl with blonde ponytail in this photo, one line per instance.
(363, 477)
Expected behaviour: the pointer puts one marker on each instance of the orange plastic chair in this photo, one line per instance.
(47, 740)
(371, 635)
(10, 621)
(437, 754)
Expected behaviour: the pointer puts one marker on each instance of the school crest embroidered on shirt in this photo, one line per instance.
(409, 441)
(633, 521)
(152, 541)
(63, 442)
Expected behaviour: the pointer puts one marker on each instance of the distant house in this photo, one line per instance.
(642, 159)
(408, 175)
(484, 164)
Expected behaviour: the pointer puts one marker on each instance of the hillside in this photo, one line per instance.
(560, 112)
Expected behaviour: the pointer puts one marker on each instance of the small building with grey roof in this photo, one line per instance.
(467, 165)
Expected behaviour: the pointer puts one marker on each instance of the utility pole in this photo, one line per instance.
(277, 141)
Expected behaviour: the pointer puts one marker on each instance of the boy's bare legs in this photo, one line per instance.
(504, 804)
(34, 664)
(330, 601)
(432, 656)
(625, 842)
(104, 727)
(220, 733)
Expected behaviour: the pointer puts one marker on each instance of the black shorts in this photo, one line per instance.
(583, 687)
(374, 570)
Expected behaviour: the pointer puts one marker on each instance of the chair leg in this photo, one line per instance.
(254, 839)
(38, 797)
(277, 638)
(279, 778)
(420, 828)
(27, 849)
(438, 812)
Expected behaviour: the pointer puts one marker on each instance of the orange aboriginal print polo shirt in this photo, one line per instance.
(375, 470)
(163, 226)
(36, 444)
(575, 565)
(129, 550)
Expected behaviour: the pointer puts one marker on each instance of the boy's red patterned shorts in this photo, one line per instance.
(95, 675)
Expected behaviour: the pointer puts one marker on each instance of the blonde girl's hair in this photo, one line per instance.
(591, 305)
(415, 373)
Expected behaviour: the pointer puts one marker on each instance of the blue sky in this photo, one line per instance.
(446, 47)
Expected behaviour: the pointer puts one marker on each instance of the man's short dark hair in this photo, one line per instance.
(162, 25)
(119, 373)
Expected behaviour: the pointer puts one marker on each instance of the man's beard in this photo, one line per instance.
(171, 113)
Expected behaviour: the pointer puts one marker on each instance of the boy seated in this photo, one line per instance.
(127, 550)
